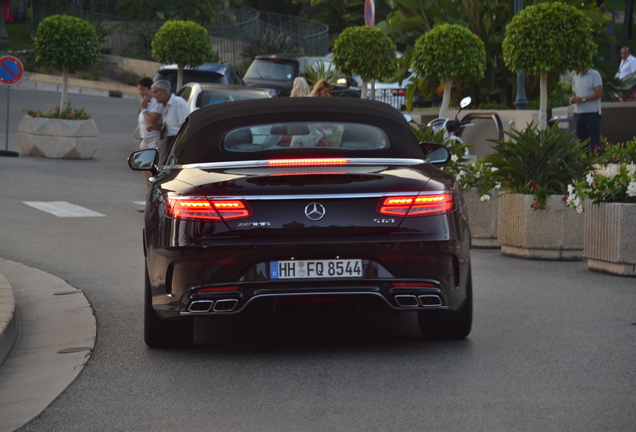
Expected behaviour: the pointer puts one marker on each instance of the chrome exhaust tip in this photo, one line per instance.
(225, 305)
(200, 306)
(406, 301)
(430, 300)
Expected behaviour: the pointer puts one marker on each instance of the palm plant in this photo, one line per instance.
(537, 162)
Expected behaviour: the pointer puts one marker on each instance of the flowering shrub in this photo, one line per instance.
(614, 180)
(475, 174)
(68, 113)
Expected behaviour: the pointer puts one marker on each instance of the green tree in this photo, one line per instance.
(449, 52)
(486, 18)
(548, 37)
(365, 51)
(199, 11)
(66, 42)
(185, 43)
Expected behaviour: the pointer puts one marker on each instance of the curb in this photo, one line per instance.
(57, 332)
(8, 320)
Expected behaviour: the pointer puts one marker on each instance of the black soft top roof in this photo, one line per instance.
(199, 138)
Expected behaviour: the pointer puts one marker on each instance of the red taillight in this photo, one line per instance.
(218, 289)
(201, 208)
(232, 209)
(307, 162)
(398, 92)
(420, 205)
(413, 284)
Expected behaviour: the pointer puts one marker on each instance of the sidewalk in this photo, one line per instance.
(47, 334)
(36, 81)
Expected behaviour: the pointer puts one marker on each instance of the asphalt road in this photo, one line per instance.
(552, 349)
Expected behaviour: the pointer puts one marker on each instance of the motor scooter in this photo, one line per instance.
(452, 127)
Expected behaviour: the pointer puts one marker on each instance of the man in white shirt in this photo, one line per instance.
(628, 64)
(587, 91)
(176, 110)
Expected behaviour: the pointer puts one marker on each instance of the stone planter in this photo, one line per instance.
(482, 216)
(610, 238)
(57, 138)
(555, 233)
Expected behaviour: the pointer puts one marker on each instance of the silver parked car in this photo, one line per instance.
(199, 95)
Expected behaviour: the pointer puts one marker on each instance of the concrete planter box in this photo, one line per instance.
(56, 138)
(482, 216)
(610, 238)
(555, 233)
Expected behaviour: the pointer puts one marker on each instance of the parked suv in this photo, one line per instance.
(277, 73)
(206, 73)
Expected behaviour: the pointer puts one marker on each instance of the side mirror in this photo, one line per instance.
(144, 160)
(465, 102)
(435, 153)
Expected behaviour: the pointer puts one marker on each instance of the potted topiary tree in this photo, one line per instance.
(184, 43)
(66, 42)
(367, 52)
(548, 38)
(446, 53)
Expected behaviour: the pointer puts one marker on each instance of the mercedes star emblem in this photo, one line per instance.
(315, 211)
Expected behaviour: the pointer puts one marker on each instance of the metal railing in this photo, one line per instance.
(234, 27)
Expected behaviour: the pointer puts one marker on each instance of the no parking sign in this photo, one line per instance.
(369, 13)
(11, 70)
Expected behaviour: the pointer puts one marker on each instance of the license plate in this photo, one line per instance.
(338, 268)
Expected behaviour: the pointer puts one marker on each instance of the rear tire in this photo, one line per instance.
(160, 333)
(449, 325)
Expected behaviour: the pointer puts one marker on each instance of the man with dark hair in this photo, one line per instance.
(587, 91)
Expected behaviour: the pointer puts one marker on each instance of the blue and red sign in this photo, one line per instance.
(11, 70)
(369, 13)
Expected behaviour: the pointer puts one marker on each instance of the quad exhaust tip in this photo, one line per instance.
(203, 306)
(225, 305)
(425, 300)
(406, 301)
(430, 300)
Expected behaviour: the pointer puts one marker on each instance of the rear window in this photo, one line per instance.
(190, 76)
(213, 97)
(286, 136)
(275, 70)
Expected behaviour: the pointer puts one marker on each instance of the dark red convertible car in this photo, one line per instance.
(302, 205)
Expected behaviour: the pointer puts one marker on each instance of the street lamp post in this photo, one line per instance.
(521, 102)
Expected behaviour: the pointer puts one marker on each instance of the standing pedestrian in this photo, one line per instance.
(300, 88)
(587, 91)
(150, 112)
(321, 89)
(176, 110)
(628, 64)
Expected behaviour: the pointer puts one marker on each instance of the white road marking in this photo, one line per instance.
(141, 203)
(62, 209)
